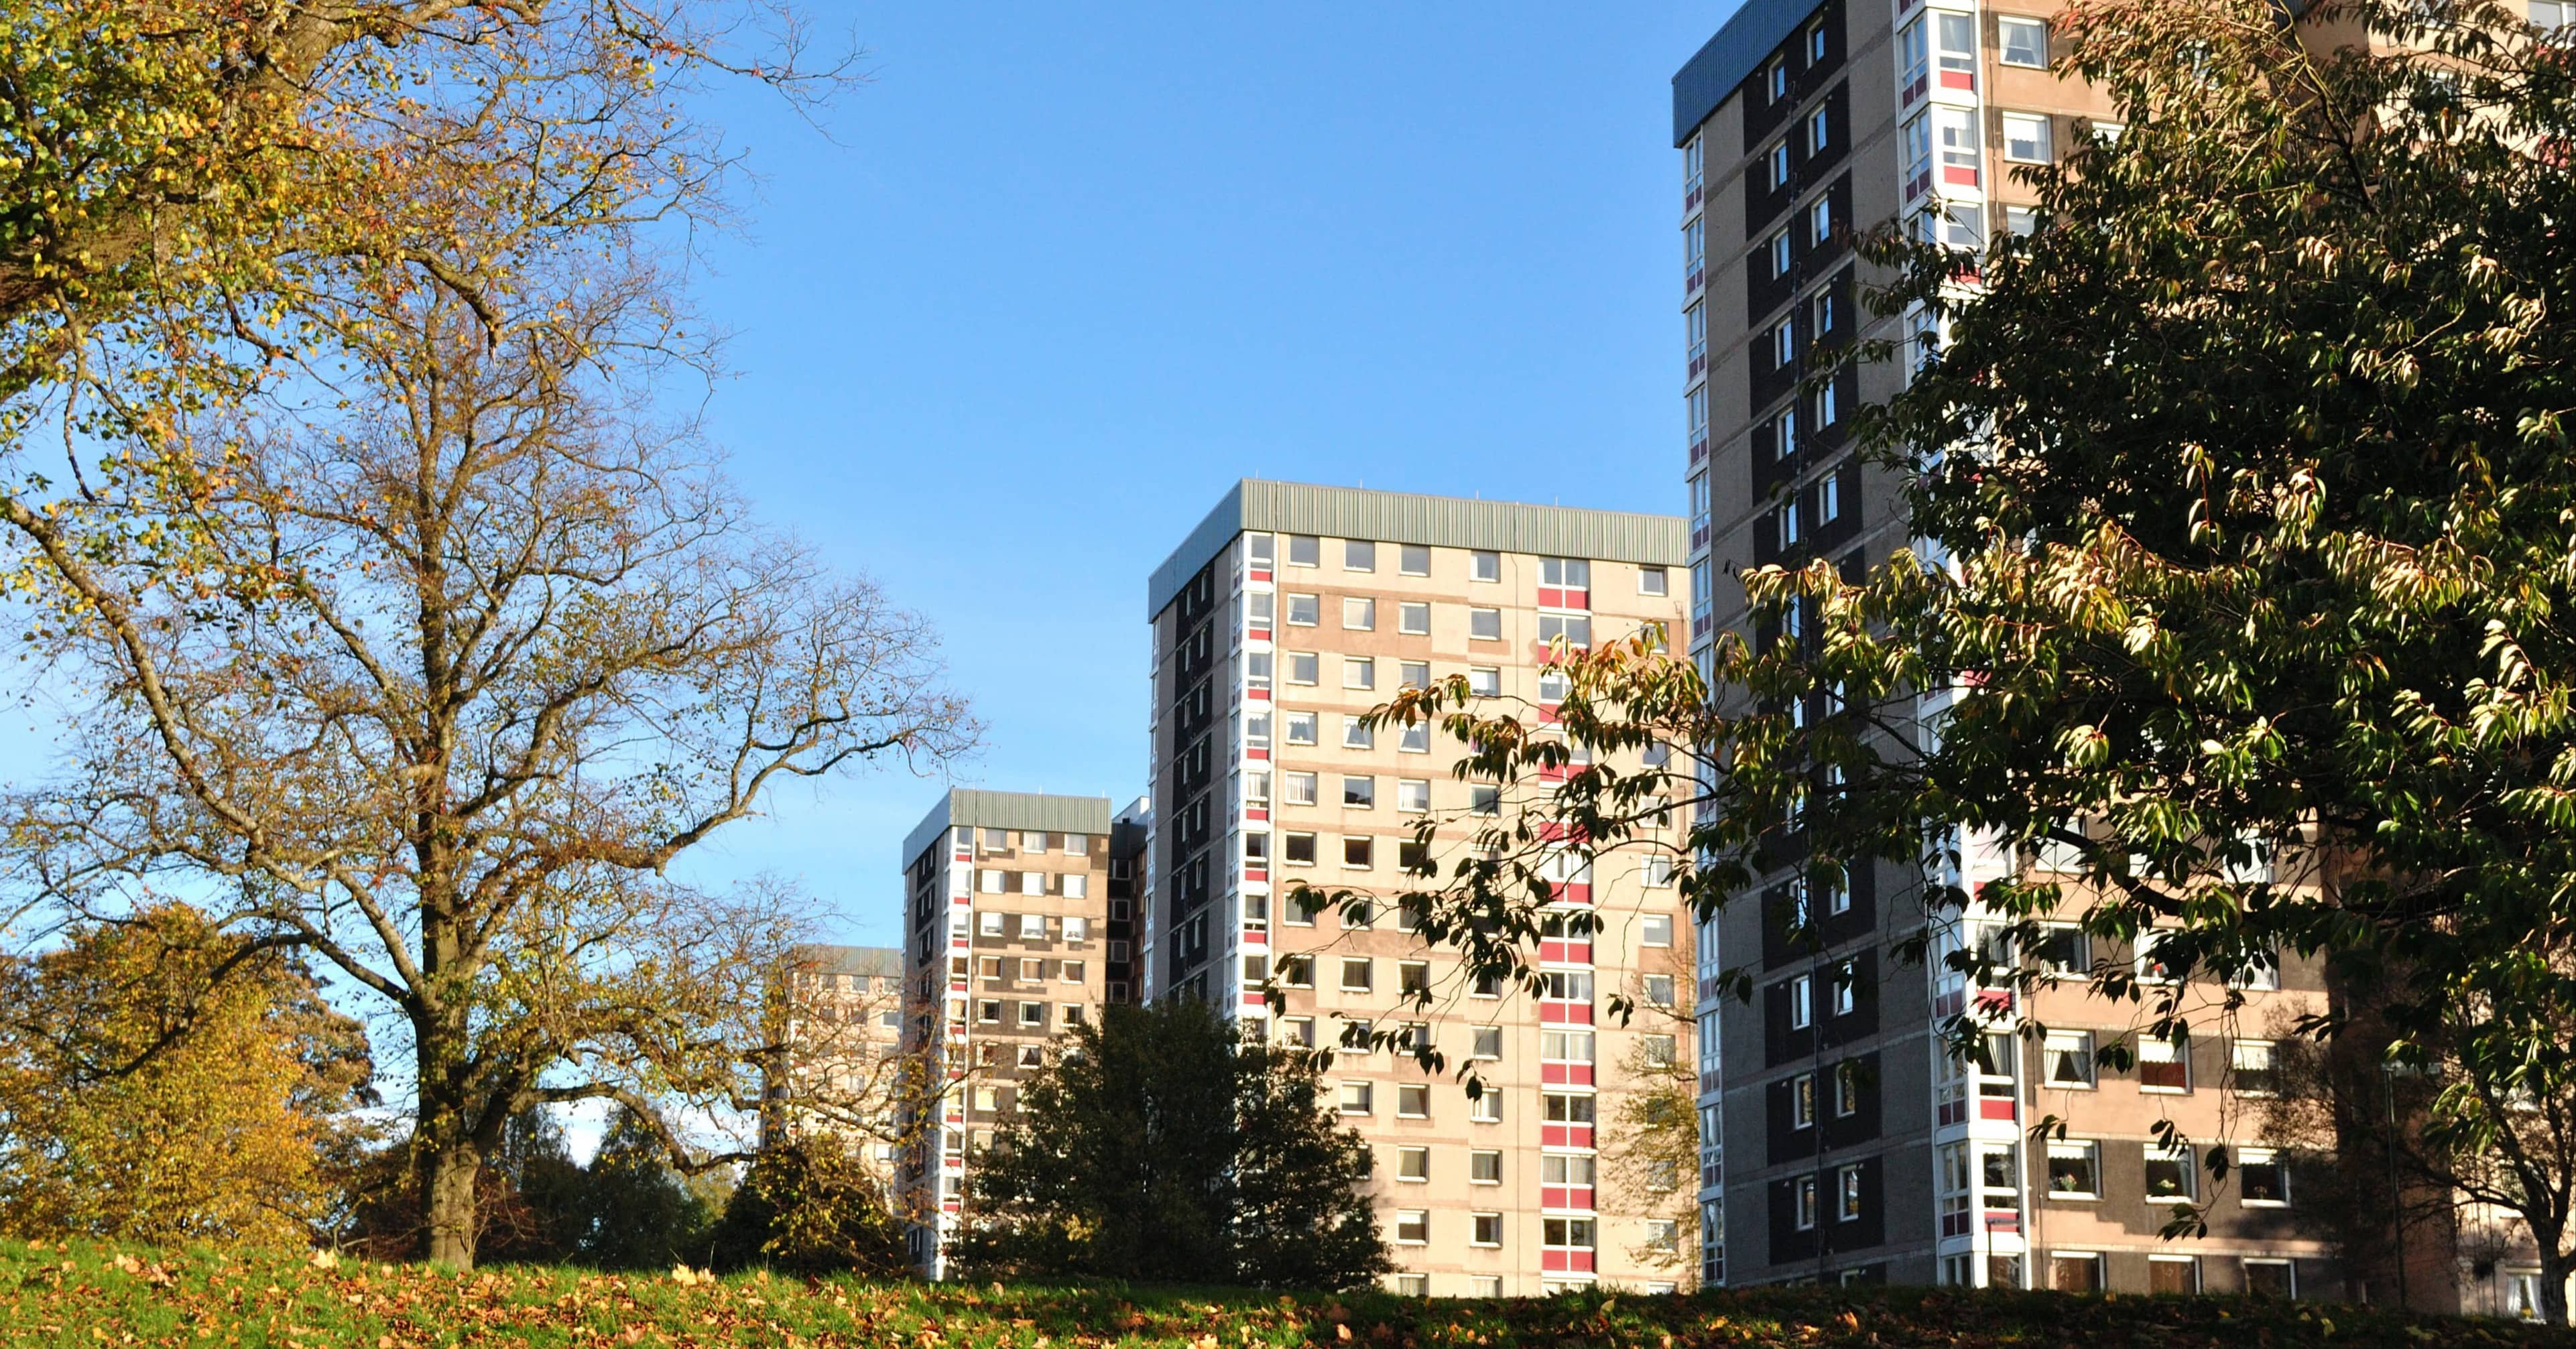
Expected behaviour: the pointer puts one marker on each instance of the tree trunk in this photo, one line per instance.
(449, 1170)
(2553, 1280)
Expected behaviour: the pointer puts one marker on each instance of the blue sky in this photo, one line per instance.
(1061, 273)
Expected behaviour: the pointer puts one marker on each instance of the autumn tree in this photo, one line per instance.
(164, 1081)
(171, 169)
(474, 645)
(1651, 1155)
(1163, 1144)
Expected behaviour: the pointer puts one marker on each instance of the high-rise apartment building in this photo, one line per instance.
(1854, 1146)
(1008, 917)
(846, 1023)
(1283, 618)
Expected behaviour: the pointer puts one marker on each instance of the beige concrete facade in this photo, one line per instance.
(1289, 615)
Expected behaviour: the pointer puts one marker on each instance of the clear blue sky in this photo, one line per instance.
(1064, 272)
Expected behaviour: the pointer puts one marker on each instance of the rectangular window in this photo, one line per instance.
(1359, 613)
(1802, 1101)
(1359, 672)
(2024, 41)
(1564, 1108)
(1298, 1031)
(1488, 1229)
(1033, 925)
(1820, 218)
(1298, 727)
(1305, 611)
(1413, 674)
(1778, 251)
(1847, 1193)
(1846, 1089)
(1488, 1043)
(1303, 667)
(1414, 739)
(1484, 566)
(1574, 629)
(1485, 625)
(1358, 734)
(1413, 794)
(2063, 951)
(1413, 1164)
(1033, 1013)
(1802, 1002)
(1484, 1167)
(1803, 1203)
(2171, 1176)
(1413, 618)
(1297, 789)
(1359, 793)
(1655, 929)
(1829, 497)
(1819, 132)
(1359, 555)
(1413, 559)
(2262, 1178)
(2163, 1065)
(2026, 138)
(1358, 975)
(1786, 523)
(1358, 1098)
(1654, 581)
(1487, 1107)
(1297, 849)
(2257, 1066)
(2173, 1274)
(2073, 1272)
(2074, 1170)
(1359, 852)
(1305, 550)
(1567, 1233)
(2069, 1056)
(1032, 971)
(2271, 1278)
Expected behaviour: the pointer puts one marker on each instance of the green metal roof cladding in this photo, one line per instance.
(1008, 810)
(1404, 517)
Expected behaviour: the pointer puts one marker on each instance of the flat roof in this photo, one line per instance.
(1724, 61)
(1008, 810)
(831, 959)
(1405, 517)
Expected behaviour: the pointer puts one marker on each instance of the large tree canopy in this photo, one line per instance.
(1164, 1144)
(2246, 529)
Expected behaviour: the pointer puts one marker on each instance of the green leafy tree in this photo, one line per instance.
(2241, 492)
(633, 1210)
(1163, 1145)
(811, 1205)
(162, 1080)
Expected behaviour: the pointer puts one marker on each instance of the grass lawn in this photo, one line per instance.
(89, 1294)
